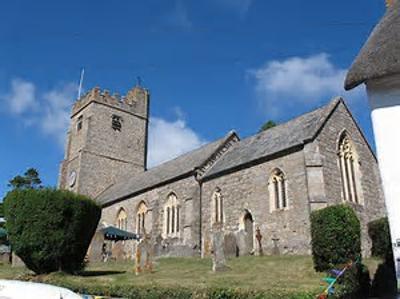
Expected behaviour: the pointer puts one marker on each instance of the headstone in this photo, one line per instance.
(16, 261)
(230, 245)
(241, 241)
(259, 243)
(118, 252)
(219, 261)
(144, 256)
(95, 251)
(207, 247)
(275, 249)
(138, 260)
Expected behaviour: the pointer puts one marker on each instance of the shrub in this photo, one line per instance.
(50, 229)
(354, 284)
(379, 233)
(154, 291)
(336, 236)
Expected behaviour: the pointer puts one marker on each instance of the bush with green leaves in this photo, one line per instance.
(354, 284)
(379, 234)
(50, 230)
(154, 291)
(384, 283)
(335, 236)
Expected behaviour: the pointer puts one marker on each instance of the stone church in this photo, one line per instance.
(266, 184)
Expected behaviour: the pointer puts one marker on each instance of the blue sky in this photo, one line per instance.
(211, 66)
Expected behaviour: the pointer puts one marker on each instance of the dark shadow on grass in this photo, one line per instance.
(99, 273)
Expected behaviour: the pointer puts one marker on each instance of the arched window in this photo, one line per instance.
(348, 169)
(172, 216)
(141, 218)
(122, 220)
(277, 186)
(218, 207)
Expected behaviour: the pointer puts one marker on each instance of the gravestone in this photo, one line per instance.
(95, 252)
(219, 261)
(230, 245)
(207, 247)
(241, 241)
(143, 256)
(16, 261)
(259, 243)
(118, 252)
(275, 249)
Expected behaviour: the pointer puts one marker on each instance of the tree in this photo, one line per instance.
(30, 180)
(49, 229)
(268, 125)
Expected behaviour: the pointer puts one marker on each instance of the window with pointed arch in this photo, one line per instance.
(141, 218)
(218, 207)
(172, 216)
(349, 172)
(278, 190)
(122, 219)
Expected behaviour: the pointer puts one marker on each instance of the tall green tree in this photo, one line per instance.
(30, 180)
(268, 125)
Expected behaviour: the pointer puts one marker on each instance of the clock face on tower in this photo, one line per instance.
(72, 178)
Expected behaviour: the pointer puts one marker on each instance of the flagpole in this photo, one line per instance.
(80, 83)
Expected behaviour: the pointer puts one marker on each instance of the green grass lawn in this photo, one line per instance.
(268, 273)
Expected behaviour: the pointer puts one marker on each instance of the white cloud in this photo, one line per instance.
(179, 17)
(21, 98)
(298, 80)
(49, 111)
(167, 140)
(56, 111)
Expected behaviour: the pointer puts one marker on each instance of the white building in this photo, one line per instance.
(378, 66)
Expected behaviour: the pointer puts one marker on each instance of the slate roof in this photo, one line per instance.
(380, 56)
(182, 166)
(272, 141)
(282, 137)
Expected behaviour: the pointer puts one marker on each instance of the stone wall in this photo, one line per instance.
(99, 154)
(187, 242)
(285, 231)
(371, 195)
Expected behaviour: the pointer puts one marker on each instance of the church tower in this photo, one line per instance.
(106, 141)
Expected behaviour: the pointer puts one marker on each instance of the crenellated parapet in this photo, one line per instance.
(136, 101)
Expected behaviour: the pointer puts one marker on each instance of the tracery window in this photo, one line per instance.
(122, 219)
(218, 207)
(348, 168)
(141, 218)
(278, 190)
(172, 216)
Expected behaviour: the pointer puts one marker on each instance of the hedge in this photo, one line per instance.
(335, 237)
(354, 284)
(379, 233)
(384, 283)
(153, 291)
(50, 229)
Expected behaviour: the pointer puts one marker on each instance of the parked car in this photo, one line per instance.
(14, 289)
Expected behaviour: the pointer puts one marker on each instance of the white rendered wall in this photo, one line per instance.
(384, 98)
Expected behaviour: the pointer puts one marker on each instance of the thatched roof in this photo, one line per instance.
(380, 55)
